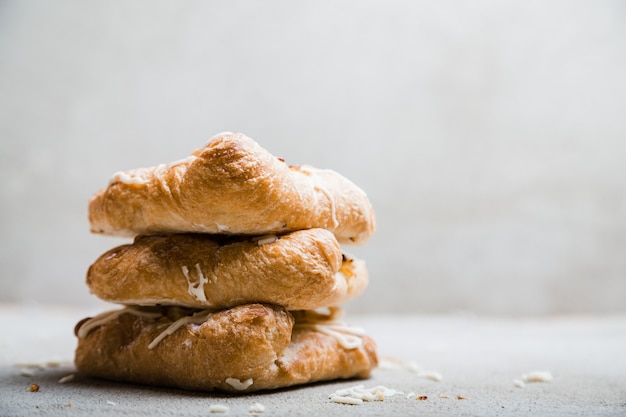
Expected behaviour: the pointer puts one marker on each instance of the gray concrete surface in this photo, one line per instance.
(477, 357)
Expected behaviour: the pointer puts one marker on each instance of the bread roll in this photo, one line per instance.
(301, 270)
(231, 186)
(247, 348)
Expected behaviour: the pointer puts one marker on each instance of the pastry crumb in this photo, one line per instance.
(218, 408)
(67, 378)
(346, 400)
(537, 376)
(33, 388)
(256, 408)
(422, 397)
(358, 394)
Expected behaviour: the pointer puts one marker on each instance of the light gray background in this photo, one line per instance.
(489, 135)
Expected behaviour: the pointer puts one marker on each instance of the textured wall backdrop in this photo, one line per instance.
(489, 135)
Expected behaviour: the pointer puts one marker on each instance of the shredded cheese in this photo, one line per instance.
(346, 400)
(358, 394)
(346, 336)
(108, 316)
(537, 376)
(195, 288)
(264, 240)
(256, 408)
(67, 378)
(196, 318)
(238, 384)
(333, 210)
(313, 174)
(218, 408)
(349, 337)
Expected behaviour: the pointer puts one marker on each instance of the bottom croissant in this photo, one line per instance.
(243, 349)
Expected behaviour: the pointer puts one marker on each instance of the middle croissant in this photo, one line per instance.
(302, 270)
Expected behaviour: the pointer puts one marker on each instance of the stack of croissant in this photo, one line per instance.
(235, 276)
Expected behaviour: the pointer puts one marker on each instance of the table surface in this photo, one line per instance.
(478, 359)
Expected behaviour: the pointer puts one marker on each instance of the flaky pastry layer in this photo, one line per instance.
(243, 349)
(231, 186)
(302, 270)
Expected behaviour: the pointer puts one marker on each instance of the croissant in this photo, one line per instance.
(231, 186)
(300, 271)
(244, 349)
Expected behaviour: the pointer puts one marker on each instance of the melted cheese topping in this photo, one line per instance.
(106, 317)
(265, 239)
(348, 336)
(198, 317)
(196, 288)
(239, 385)
(313, 175)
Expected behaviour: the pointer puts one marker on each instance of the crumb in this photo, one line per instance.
(537, 376)
(218, 408)
(34, 388)
(67, 378)
(26, 372)
(346, 400)
(256, 408)
(69, 404)
(432, 375)
(358, 394)
(422, 397)
(461, 397)
(444, 396)
(518, 383)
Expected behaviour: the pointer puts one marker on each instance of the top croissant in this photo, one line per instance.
(231, 186)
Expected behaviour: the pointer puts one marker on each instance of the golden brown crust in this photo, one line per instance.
(254, 347)
(233, 186)
(301, 270)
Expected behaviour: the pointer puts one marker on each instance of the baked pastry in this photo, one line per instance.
(231, 186)
(247, 348)
(301, 270)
